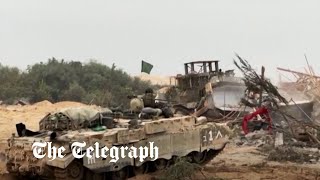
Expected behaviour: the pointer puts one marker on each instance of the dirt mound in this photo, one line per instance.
(28, 114)
(66, 104)
(155, 79)
(294, 154)
(42, 103)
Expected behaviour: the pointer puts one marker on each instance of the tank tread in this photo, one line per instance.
(60, 173)
(211, 155)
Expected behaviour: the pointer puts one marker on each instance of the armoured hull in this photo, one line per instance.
(174, 137)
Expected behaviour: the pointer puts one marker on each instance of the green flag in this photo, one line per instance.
(146, 67)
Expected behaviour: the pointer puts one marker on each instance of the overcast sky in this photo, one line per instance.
(165, 33)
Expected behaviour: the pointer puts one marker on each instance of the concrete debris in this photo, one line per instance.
(294, 134)
(294, 154)
(256, 138)
(278, 139)
(256, 135)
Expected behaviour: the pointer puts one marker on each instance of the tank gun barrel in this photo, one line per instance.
(165, 100)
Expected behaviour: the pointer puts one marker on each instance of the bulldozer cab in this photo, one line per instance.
(197, 75)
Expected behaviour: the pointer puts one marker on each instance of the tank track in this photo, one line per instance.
(81, 173)
(128, 172)
(60, 173)
(210, 155)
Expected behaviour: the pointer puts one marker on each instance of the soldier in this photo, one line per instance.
(149, 98)
(152, 108)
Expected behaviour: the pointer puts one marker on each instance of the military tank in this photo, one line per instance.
(171, 138)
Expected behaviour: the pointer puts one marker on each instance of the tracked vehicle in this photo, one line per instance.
(177, 136)
(206, 89)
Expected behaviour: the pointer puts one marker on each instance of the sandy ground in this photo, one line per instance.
(155, 79)
(246, 163)
(30, 115)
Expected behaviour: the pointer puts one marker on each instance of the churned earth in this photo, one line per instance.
(247, 163)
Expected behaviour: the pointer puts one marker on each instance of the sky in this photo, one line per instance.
(165, 33)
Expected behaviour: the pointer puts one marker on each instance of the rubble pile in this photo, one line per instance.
(294, 135)
(294, 154)
(256, 138)
(281, 145)
(307, 83)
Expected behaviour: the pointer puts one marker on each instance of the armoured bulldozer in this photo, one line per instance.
(174, 137)
(205, 90)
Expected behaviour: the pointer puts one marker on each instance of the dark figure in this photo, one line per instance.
(23, 131)
(149, 98)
